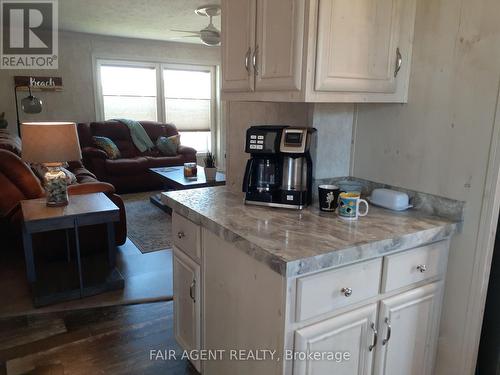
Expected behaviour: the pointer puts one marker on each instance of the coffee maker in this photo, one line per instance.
(279, 171)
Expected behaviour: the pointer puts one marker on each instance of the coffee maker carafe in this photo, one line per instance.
(266, 174)
(279, 171)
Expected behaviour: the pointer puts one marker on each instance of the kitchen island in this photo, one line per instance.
(306, 286)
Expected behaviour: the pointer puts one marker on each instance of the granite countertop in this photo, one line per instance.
(297, 242)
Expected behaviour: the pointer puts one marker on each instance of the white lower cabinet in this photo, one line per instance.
(187, 310)
(402, 342)
(378, 316)
(353, 333)
(409, 327)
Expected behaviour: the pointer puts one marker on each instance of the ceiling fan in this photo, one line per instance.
(209, 35)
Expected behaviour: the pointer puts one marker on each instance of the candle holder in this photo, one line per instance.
(191, 171)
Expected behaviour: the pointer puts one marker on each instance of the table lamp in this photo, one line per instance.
(51, 143)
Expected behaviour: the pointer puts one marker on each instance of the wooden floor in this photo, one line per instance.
(148, 278)
(105, 340)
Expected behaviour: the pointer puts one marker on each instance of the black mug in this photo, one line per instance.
(328, 197)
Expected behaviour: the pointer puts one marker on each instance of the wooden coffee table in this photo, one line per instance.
(173, 179)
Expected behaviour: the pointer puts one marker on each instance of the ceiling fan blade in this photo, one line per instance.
(186, 31)
(186, 36)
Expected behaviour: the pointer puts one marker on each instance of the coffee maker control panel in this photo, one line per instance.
(263, 139)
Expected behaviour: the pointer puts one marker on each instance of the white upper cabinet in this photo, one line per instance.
(358, 45)
(238, 17)
(317, 50)
(278, 51)
(262, 46)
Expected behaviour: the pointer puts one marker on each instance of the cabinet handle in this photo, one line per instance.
(254, 60)
(192, 289)
(247, 60)
(375, 337)
(181, 235)
(389, 330)
(399, 62)
(422, 268)
(346, 291)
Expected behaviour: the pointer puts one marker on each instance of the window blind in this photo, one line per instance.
(188, 95)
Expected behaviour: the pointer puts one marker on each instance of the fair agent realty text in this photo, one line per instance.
(246, 355)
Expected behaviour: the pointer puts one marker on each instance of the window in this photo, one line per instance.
(128, 92)
(181, 94)
(188, 105)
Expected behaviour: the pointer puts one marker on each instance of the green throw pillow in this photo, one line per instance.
(108, 146)
(168, 146)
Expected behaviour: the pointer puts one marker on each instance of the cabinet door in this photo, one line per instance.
(279, 47)
(186, 302)
(409, 325)
(357, 45)
(238, 40)
(352, 333)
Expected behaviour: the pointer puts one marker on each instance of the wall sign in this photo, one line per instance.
(39, 83)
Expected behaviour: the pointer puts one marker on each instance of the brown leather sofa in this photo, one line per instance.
(18, 182)
(129, 173)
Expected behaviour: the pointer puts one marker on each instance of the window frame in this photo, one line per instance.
(159, 66)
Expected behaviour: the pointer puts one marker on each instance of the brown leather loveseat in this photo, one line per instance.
(130, 172)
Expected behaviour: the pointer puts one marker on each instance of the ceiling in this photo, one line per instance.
(145, 19)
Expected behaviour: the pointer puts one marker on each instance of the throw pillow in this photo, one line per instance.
(108, 146)
(168, 146)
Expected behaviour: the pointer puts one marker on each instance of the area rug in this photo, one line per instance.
(148, 227)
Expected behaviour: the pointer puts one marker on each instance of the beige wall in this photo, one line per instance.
(439, 142)
(76, 51)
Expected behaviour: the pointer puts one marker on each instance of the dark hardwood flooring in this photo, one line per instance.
(104, 340)
(148, 278)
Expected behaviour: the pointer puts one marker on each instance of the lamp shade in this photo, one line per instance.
(50, 142)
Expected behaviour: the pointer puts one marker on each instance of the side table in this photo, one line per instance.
(82, 210)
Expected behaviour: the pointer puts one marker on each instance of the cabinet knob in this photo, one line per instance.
(422, 268)
(181, 235)
(346, 291)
